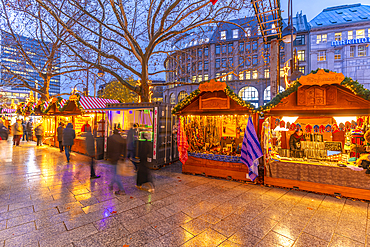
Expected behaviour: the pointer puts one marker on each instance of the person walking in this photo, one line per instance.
(24, 125)
(39, 133)
(29, 129)
(115, 149)
(60, 136)
(4, 133)
(69, 135)
(90, 147)
(17, 132)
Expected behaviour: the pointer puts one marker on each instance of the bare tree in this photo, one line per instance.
(130, 37)
(36, 57)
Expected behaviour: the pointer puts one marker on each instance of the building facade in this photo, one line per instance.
(232, 54)
(11, 58)
(340, 38)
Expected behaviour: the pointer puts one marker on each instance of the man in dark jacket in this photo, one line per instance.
(115, 149)
(29, 129)
(131, 144)
(90, 148)
(60, 136)
(69, 135)
(39, 133)
(4, 133)
(24, 130)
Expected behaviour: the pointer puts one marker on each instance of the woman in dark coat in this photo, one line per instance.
(69, 135)
(90, 148)
(295, 142)
(4, 133)
(60, 136)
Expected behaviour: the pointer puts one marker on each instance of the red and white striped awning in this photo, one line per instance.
(46, 104)
(92, 104)
(8, 110)
(62, 102)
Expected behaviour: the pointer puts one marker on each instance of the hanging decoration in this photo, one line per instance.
(328, 128)
(316, 128)
(309, 128)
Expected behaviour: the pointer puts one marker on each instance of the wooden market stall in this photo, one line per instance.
(214, 119)
(333, 113)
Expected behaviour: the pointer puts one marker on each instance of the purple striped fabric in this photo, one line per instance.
(251, 150)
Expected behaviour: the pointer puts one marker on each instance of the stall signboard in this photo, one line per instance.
(80, 121)
(155, 133)
(333, 146)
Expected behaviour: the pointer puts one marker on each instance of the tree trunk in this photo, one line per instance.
(144, 92)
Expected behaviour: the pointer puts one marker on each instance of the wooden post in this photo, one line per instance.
(274, 68)
(55, 131)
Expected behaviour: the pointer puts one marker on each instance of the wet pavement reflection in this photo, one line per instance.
(45, 201)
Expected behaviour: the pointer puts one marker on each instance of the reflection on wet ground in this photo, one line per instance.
(45, 201)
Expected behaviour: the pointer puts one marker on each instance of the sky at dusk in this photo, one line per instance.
(312, 8)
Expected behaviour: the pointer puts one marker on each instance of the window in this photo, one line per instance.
(254, 60)
(223, 48)
(235, 34)
(250, 94)
(301, 69)
(267, 58)
(241, 75)
(301, 55)
(200, 66)
(267, 73)
(360, 34)
(352, 51)
(223, 77)
(267, 93)
(223, 35)
(206, 51)
(182, 96)
(223, 63)
(300, 40)
(188, 68)
(338, 36)
(266, 46)
(230, 48)
(172, 99)
(248, 46)
(350, 34)
(217, 64)
(337, 54)
(255, 74)
(281, 72)
(206, 77)
(241, 62)
(248, 75)
(321, 56)
(200, 53)
(254, 45)
(200, 78)
(231, 62)
(217, 75)
(248, 32)
(205, 65)
(321, 38)
(230, 77)
(241, 47)
(248, 61)
(194, 79)
(217, 49)
(361, 51)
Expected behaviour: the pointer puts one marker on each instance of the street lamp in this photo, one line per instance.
(101, 73)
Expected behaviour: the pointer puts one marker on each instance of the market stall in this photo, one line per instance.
(314, 136)
(214, 119)
(156, 133)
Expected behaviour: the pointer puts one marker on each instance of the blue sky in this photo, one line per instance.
(312, 8)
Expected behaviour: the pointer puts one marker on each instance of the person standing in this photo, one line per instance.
(24, 125)
(90, 148)
(115, 149)
(17, 132)
(39, 133)
(29, 129)
(86, 127)
(69, 135)
(60, 136)
(131, 144)
(4, 133)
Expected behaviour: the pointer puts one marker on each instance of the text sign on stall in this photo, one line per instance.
(333, 146)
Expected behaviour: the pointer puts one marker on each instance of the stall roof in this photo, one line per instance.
(5, 110)
(95, 104)
(322, 93)
(136, 106)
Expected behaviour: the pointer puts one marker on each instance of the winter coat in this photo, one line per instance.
(86, 128)
(17, 129)
(90, 144)
(39, 131)
(69, 135)
(60, 133)
(115, 147)
(29, 127)
(4, 133)
(131, 139)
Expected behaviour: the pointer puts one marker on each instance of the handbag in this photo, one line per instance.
(125, 168)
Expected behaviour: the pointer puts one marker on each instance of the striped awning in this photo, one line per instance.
(8, 110)
(47, 103)
(62, 102)
(91, 104)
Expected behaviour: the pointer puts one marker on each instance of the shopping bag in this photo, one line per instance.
(125, 168)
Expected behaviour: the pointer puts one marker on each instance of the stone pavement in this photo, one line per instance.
(46, 202)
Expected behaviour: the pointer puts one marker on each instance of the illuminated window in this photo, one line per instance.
(223, 35)
(223, 77)
(281, 72)
(267, 73)
(249, 94)
(302, 69)
(194, 79)
(352, 51)
(206, 77)
(200, 78)
(248, 75)
(241, 75)
(172, 99)
(267, 93)
(230, 77)
(321, 38)
(350, 34)
(182, 96)
(301, 55)
(248, 32)
(360, 34)
(255, 74)
(321, 56)
(361, 51)
(338, 36)
(235, 33)
(337, 54)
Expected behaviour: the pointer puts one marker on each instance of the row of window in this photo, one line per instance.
(361, 52)
(247, 47)
(338, 36)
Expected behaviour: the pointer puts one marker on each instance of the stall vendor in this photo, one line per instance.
(295, 143)
(86, 127)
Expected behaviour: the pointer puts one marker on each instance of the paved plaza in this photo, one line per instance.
(46, 202)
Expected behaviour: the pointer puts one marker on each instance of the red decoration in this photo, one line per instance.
(213, 1)
(282, 124)
(322, 128)
(360, 121)
(348, 126)
(292, 126)
(335, 128)
(308, 128)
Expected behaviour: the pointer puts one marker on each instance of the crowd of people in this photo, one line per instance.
(118, 149)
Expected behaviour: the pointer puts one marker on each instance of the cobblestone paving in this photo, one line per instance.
(46, 202)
